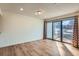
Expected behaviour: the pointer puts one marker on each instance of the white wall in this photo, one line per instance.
(19, 29)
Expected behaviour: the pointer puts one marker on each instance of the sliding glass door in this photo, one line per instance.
(60, 30)
(49, 30)
(57, 31)
(67, 27)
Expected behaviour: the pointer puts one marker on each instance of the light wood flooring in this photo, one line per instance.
(40, 48)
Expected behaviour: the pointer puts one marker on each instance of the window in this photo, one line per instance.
(56, 30)
(67, 27)
(49, 30)
(61, 30)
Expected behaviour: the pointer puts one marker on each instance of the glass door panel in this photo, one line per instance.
(67, 27)
(49, 30)
(57, 31)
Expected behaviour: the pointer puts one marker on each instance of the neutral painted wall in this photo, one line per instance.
(0, 23)
(19, 29)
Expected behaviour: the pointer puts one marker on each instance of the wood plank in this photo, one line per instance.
(40, 48)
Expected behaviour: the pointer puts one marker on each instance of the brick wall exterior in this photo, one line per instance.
(78, 31)
(75, 33)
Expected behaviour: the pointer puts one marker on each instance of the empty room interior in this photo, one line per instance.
(39, 29)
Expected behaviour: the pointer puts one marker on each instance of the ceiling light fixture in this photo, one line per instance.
(45, 16)
(21, 9)
(38, 12)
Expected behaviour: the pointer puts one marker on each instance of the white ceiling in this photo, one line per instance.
(49, 9)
